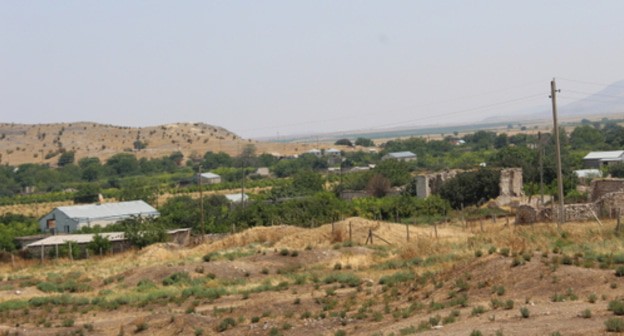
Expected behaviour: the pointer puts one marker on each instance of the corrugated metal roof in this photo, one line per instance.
(608, 155)
(400, 155)
(85, 238)
(209, 175)
(109, 210)
(76, 238)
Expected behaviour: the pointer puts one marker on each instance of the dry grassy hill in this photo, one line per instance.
(286, 280)
(42, 143)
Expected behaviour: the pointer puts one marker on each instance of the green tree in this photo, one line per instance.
(99, 244)
(66, 158)
(143, 231)
(364, 142)
(138, 188)
(343, 142)
(472, 187)
(307, 182)
(216, 160)
(123, 164)
(617, 170)
(586, 137)
(87, 193)
(398, 172)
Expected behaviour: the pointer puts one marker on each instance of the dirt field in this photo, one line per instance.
(286, 280)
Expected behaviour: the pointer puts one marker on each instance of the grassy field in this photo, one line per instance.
(283, 280)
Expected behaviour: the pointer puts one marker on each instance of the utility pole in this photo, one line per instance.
(243, 180)
(201, 203)
(553, 97)
(541, 166)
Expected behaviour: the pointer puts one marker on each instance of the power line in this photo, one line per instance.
(589, 83)
(483, 107)
(434, 103)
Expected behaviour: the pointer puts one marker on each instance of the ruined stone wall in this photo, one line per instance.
(430, 184)
(573, 213)
(511, 182)
(608, 204)
(600, 187)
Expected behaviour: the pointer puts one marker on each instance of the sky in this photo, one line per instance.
(276, 68)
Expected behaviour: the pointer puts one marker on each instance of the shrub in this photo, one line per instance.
(176, 278)
(68, 323)
(524, 312)
(478, 310)
(617, 307)
(284, 252)
(619, 271)
(225, 324)
(509, 304)
(592, 298)
(476, 333)
(478, 253)
(615, 324)
(504, 251)
(586, 313)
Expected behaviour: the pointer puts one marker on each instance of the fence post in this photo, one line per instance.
(462, 217)
(407, 230)
(42, 253)
(350, 237)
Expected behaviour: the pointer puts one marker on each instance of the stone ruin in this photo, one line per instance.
(606, 199)
(510, 184)
(601, 187)
(430, 184)
(529, 214)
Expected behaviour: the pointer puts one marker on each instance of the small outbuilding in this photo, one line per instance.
(601, 159)
(209, 178)
(67, 219)
(400, 156)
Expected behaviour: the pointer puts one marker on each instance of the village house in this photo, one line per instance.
(67, 219)
(597, 160)
(400, 156)
(209, 178)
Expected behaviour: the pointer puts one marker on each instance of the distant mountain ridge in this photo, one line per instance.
(606, 101)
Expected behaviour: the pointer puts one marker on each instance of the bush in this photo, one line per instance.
(524, 312)
(619, 271)
(615, 324)
(617, 307)
(225, 324)
(176, 278)
(586, 313)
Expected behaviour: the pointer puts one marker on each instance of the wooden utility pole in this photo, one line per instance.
(541, 166)
(553, 97)
(201, 204)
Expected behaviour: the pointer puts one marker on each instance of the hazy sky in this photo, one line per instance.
(262, 68)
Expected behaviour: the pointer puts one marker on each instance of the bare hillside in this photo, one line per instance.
(42, 143)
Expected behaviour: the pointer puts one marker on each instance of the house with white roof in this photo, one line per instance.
(600, 159)
(400, 156)
(67, 219)
(209, 178)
